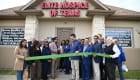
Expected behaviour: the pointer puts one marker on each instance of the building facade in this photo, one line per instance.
(45, 19)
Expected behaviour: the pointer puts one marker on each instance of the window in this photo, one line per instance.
(124, 36)
(11, 36)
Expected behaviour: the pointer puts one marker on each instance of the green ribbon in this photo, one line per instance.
(65, 55)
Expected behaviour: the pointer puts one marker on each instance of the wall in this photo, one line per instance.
(81, 28)
(132, 58)
(7, 57)
(13, 23)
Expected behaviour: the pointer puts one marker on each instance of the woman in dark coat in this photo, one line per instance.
(36, 64)
(46, 62)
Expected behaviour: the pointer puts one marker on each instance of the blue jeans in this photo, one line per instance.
(20, 72)
(67, 65)
(120, 70)
(19, 75)
(85, 71)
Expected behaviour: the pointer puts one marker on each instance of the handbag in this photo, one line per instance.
(124, 67)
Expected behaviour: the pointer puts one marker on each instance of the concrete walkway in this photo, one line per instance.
(60, 76)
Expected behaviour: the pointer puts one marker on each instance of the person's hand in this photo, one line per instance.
(94, 55)
(103, 63)
(86, 55)
(59, 49)
(33, 64)
(123, 62)
(49, 60)
(111, 56)
(76, 52)
(69, 59)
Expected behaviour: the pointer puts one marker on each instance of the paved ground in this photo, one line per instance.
(61, 76)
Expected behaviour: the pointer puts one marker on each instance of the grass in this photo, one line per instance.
(7, 72)
(131, 74)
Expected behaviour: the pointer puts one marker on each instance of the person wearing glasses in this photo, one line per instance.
(86, 60)
(75, 48)
(97, 48)
(46, 62)
(54, 50)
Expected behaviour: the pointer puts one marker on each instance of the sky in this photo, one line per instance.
(128, 4)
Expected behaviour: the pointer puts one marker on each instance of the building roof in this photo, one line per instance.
(10, 11)
(123, 12)
(118, 11)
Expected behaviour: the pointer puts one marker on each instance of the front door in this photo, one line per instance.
(63, 34)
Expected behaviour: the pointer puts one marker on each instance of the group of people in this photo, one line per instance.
(103, 68)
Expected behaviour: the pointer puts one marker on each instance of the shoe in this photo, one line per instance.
(60, 70)
(53, 77)
(67, 73)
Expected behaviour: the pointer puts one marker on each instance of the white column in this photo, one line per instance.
(31, 27)
(98, 25)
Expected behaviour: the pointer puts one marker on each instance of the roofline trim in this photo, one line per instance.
(101, 4)
(27, 5)
(96, 1)
(30, 12)
(125, 17)
(99, 12)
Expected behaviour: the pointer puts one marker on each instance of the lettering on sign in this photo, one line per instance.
(67, 9)
(11, 36)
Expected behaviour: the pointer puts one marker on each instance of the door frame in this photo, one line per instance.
(56, 28)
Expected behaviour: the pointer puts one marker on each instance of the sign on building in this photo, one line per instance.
(11, 36)
(124, 36)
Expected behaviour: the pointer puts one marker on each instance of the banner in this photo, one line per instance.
(66, 55)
